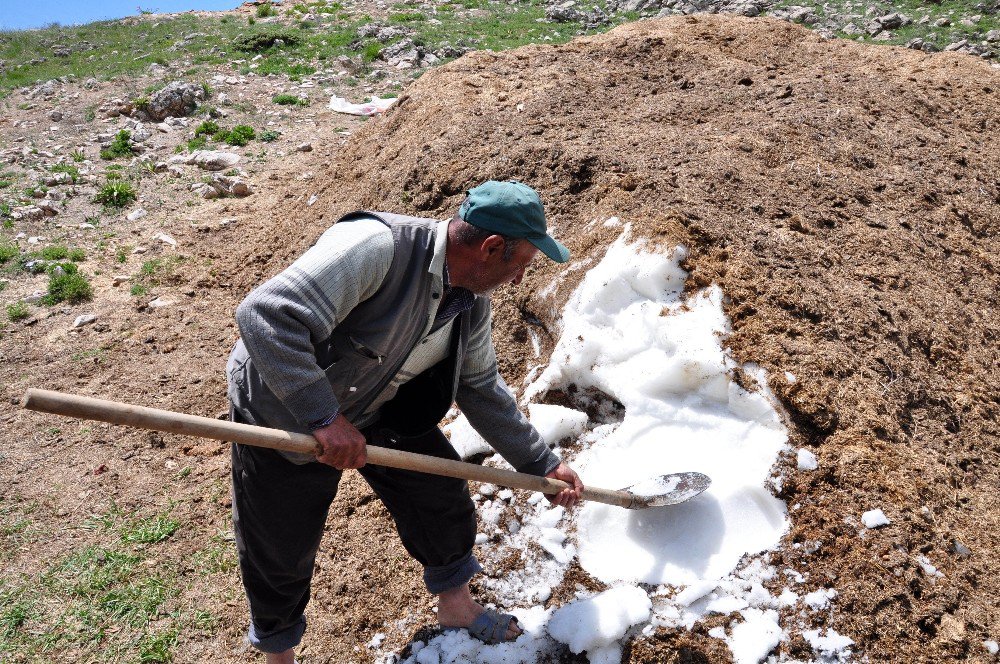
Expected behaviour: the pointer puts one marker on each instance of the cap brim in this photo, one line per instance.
(551, 248)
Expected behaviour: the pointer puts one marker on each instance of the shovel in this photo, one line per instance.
(654, 492)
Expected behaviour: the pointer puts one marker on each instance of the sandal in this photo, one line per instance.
(490, 627)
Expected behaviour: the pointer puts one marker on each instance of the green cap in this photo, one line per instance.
(513, 209)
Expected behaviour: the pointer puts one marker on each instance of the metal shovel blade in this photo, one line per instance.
(667, 489)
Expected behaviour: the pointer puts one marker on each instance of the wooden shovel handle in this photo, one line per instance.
(89, 408)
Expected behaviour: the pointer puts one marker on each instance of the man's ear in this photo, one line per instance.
(492, 246)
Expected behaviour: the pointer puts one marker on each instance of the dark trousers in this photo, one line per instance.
(280, 509)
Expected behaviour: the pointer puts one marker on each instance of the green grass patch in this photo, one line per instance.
(67, 285)
(269, 135)
(263, 39)
(77, 156)
(266, 9)
(8, 251)
(73, 171)
(121, 146)
(208, 127)
(406, 17)
(77, 255)
(54, 253)
(116, 194)
(285, 99)
(150, 530)
(240, 135)
(17, 311)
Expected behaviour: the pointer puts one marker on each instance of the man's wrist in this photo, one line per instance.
(326, 421)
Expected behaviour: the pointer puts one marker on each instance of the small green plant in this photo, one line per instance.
(149, 531)
(55, 253)
(269, 135)
(8, 250)
(77, 255)
(90, 113)
(116, 194)
(261, 40)
(289, 100)
(67, 285)
(207, 127)
(72, 171)
(141, 103)
(266, 9)
(121, 254)
(196, 143)
(138, 290)
(120, 147)
(5, 183)
(371, 52)
(77, 156)
(240, 135)
(17, 311)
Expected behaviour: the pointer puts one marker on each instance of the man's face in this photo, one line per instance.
(494, 271)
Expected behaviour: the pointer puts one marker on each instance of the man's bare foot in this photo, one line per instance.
(287, 657)
(456, 608)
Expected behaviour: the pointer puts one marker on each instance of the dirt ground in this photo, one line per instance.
(847, 200)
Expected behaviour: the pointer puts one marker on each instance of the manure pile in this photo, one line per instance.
(845, 197)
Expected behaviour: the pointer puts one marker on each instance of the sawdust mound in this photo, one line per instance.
(847, 200)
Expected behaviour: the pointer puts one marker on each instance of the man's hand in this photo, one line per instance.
(343, 445)
(567, 497)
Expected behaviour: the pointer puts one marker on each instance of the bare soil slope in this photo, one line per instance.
(847, 200)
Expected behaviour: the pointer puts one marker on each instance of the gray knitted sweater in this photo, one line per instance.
(330, 332)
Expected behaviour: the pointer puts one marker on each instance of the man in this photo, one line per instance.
(368, 338)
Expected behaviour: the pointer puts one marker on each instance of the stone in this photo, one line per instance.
(205, 190)
(956, 46)
(28, 213)
(85, 319)
(563, 14)
(165, 239)
(213, 160)
(160, 302)
(304, 147)
(893, 21)
(916, 43)
(993, 36)
(140, 134)
(942, 23)
(961, 550)
(164, 127)
(176, 99)
(56, 116)
(136, 214)
(56, 179)
(120, 279)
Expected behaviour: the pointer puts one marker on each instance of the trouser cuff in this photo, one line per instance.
(445, 577)
(278, 640)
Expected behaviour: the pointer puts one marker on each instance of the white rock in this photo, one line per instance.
(992, 647)
(874, 519)
(119, 279)
(166, 239)
(304, 147)
(160, 302)
(85, 319)
(481, 538)
(136, 214)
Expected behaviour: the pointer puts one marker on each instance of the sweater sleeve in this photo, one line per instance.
(282, 320)
(490, 406)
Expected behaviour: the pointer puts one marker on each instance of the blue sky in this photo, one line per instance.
(26, 14)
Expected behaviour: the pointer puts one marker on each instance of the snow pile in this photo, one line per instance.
(594, 625)
(628, 334)
(631, 339)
